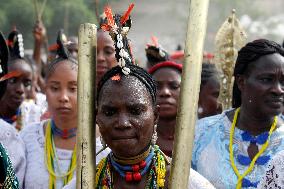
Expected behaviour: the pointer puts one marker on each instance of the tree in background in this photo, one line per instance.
(67, 14)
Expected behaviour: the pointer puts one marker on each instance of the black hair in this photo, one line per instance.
(16, 48)
(247, 55)
(136, 71)
(62, 54)
(208, 71)
(4, 54)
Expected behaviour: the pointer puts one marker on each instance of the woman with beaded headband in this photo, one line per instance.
(12, 151)
(127, 114)
(51, 144)
(20, 85)
(241, 141)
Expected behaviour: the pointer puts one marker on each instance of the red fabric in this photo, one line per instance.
(177, 55)
(164, 65)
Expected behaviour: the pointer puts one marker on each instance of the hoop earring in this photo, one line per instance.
(154, 136)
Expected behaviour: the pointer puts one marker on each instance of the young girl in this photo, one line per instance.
(51, 153)
(19, 85)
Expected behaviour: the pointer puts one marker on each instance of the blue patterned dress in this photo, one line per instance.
(211, 152)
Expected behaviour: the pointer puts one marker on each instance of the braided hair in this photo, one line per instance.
(208, 71)
(247, 55)
(62, 54)
(136, 71)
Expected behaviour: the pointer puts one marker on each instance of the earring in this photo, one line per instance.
(250, 100)
(200, 110)
(154, 136)
(102, 142)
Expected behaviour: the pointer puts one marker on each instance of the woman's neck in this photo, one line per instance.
(65, 124)
(166, 127)
(6, 112)
(256, 125)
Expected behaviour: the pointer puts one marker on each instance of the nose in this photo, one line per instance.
(278, 89)
(64, 96)
(100, 56)
(165, 92)
(123, 121)
(20, 88)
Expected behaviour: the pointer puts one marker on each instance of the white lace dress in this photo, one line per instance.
(274, 177)
(37, 176)
(15, 147)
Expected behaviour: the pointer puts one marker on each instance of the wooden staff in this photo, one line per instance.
(191, 74)
(86, 132)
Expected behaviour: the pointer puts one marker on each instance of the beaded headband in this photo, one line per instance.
(118, 27)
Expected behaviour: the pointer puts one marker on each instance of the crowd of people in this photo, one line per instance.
(136, 110)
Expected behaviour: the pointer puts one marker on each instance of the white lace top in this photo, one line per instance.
(15, 147)
(274, 177)
(37, 176)
(196, 181)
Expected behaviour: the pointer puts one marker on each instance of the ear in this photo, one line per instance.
(156, 114)
(240, 80)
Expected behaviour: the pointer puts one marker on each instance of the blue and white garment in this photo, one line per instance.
(211, 158)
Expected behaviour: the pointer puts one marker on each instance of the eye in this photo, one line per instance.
(27, 83)
(109, 111)
(174, 85)
(54, 88)
(73, 89)
(109, 51)
(12, 80)
(136, 110)
(266, 79)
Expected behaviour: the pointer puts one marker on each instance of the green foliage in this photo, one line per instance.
(68, 14)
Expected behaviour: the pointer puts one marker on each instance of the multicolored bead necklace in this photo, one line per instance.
(155, 163)
(242, 181)
(50, 160)
(65, 133)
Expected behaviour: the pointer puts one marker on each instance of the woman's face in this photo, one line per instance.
(18, 87)
(105, 54)
(168, 89)
(126, 116)
(61, 91)
(208, 98)
(262, 87)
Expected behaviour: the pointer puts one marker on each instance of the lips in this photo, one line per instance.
(101, 69)
(18, 99)
(125, 137)
(165, 104)
(276, 102)
(63, 109)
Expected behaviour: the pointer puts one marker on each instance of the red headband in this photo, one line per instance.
(165, 64)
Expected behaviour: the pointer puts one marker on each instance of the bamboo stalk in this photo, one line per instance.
(186, 119)
(86, 132)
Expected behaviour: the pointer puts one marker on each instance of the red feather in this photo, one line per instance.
(10, 75)
(155, 41)
(109, 16)
(125, 17)
(105, 27)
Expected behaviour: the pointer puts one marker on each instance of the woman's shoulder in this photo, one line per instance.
(33, 130)
(210, 124)
(197, 181)
(8, 134)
